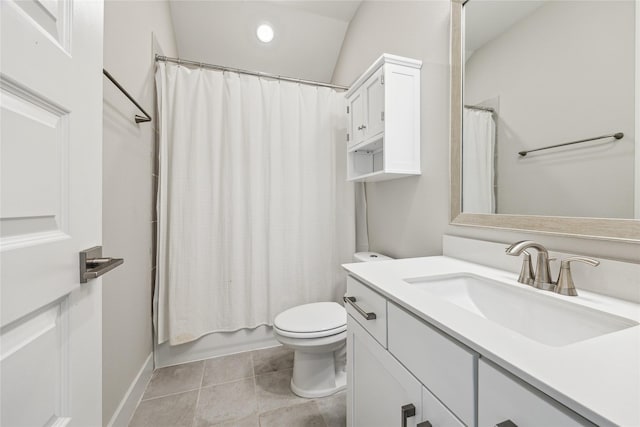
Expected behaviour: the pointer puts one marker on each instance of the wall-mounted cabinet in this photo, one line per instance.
(383, 107)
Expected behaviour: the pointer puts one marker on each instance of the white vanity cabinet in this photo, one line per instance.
(395, 359)
(382, 392)
(383, 107)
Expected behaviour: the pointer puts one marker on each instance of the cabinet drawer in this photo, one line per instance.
(445, 367)
(436, 413)
(502, 397)
(370, 302)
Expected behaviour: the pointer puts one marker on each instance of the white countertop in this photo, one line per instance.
(598, 378)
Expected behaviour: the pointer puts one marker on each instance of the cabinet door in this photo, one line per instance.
(378, 385)
(374, 98)
(356, 118)
(502, 397)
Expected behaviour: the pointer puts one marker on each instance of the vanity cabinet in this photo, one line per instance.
(395, 359)
(383, 109)
(382, 392)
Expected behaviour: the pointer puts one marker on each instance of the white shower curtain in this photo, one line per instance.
(478, 150)
(254, 216)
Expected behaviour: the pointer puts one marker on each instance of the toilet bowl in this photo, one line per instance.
(317, 333)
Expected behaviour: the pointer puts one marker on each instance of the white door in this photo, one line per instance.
(50, 209)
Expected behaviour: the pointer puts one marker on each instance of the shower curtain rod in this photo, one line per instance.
(251, 73)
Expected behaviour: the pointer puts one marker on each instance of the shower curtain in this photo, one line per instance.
(478, 151)
(254, 211)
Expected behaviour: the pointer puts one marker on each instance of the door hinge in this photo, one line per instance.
(347, 109)
(382, 116)
(382, 79)
(347, 137)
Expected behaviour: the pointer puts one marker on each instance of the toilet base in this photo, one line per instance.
(340, 384)
(319, 374)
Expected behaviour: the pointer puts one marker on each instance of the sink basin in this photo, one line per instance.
(543, 318)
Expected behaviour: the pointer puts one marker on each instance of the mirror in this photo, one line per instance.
(528, 77)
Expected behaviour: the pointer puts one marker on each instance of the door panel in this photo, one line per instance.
(52, 17)
(26, 379)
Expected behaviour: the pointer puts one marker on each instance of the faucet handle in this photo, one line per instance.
(565, 285)
(526, 272)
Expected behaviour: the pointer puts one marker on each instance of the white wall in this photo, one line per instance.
(128, 186)
(563, 73)
(407, 217)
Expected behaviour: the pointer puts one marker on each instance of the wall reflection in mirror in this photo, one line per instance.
(542, 73)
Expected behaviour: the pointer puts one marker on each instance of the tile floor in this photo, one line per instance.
(245, 389)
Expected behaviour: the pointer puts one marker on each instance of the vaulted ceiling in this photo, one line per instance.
(307, 42)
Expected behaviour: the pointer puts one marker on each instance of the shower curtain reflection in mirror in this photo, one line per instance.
(254, 212)
(478, 157)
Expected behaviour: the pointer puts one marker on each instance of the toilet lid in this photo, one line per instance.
(310, 318)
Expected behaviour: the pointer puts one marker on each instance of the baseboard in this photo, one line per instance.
(132, 397)
(214, 345)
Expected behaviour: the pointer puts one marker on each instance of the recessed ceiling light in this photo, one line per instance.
(265, 33)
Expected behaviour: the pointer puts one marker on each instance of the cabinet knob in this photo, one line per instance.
(407, 412)
(425, 424)
(507, 423)
(362, 127)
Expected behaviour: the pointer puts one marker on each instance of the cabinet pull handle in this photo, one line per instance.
(407, 411)
(362, 127)
(507, 423)
(425, 424)
(352, 302)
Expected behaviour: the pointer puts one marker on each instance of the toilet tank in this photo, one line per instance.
(369, 256)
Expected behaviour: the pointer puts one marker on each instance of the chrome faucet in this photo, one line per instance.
(542, 275)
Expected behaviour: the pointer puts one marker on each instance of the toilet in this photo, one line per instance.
(317, 333)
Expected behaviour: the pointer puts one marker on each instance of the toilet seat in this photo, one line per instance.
(320, 319)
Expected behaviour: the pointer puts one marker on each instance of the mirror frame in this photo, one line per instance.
(594, 228)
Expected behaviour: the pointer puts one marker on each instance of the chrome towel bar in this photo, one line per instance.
(618, 135)
(137, 118)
